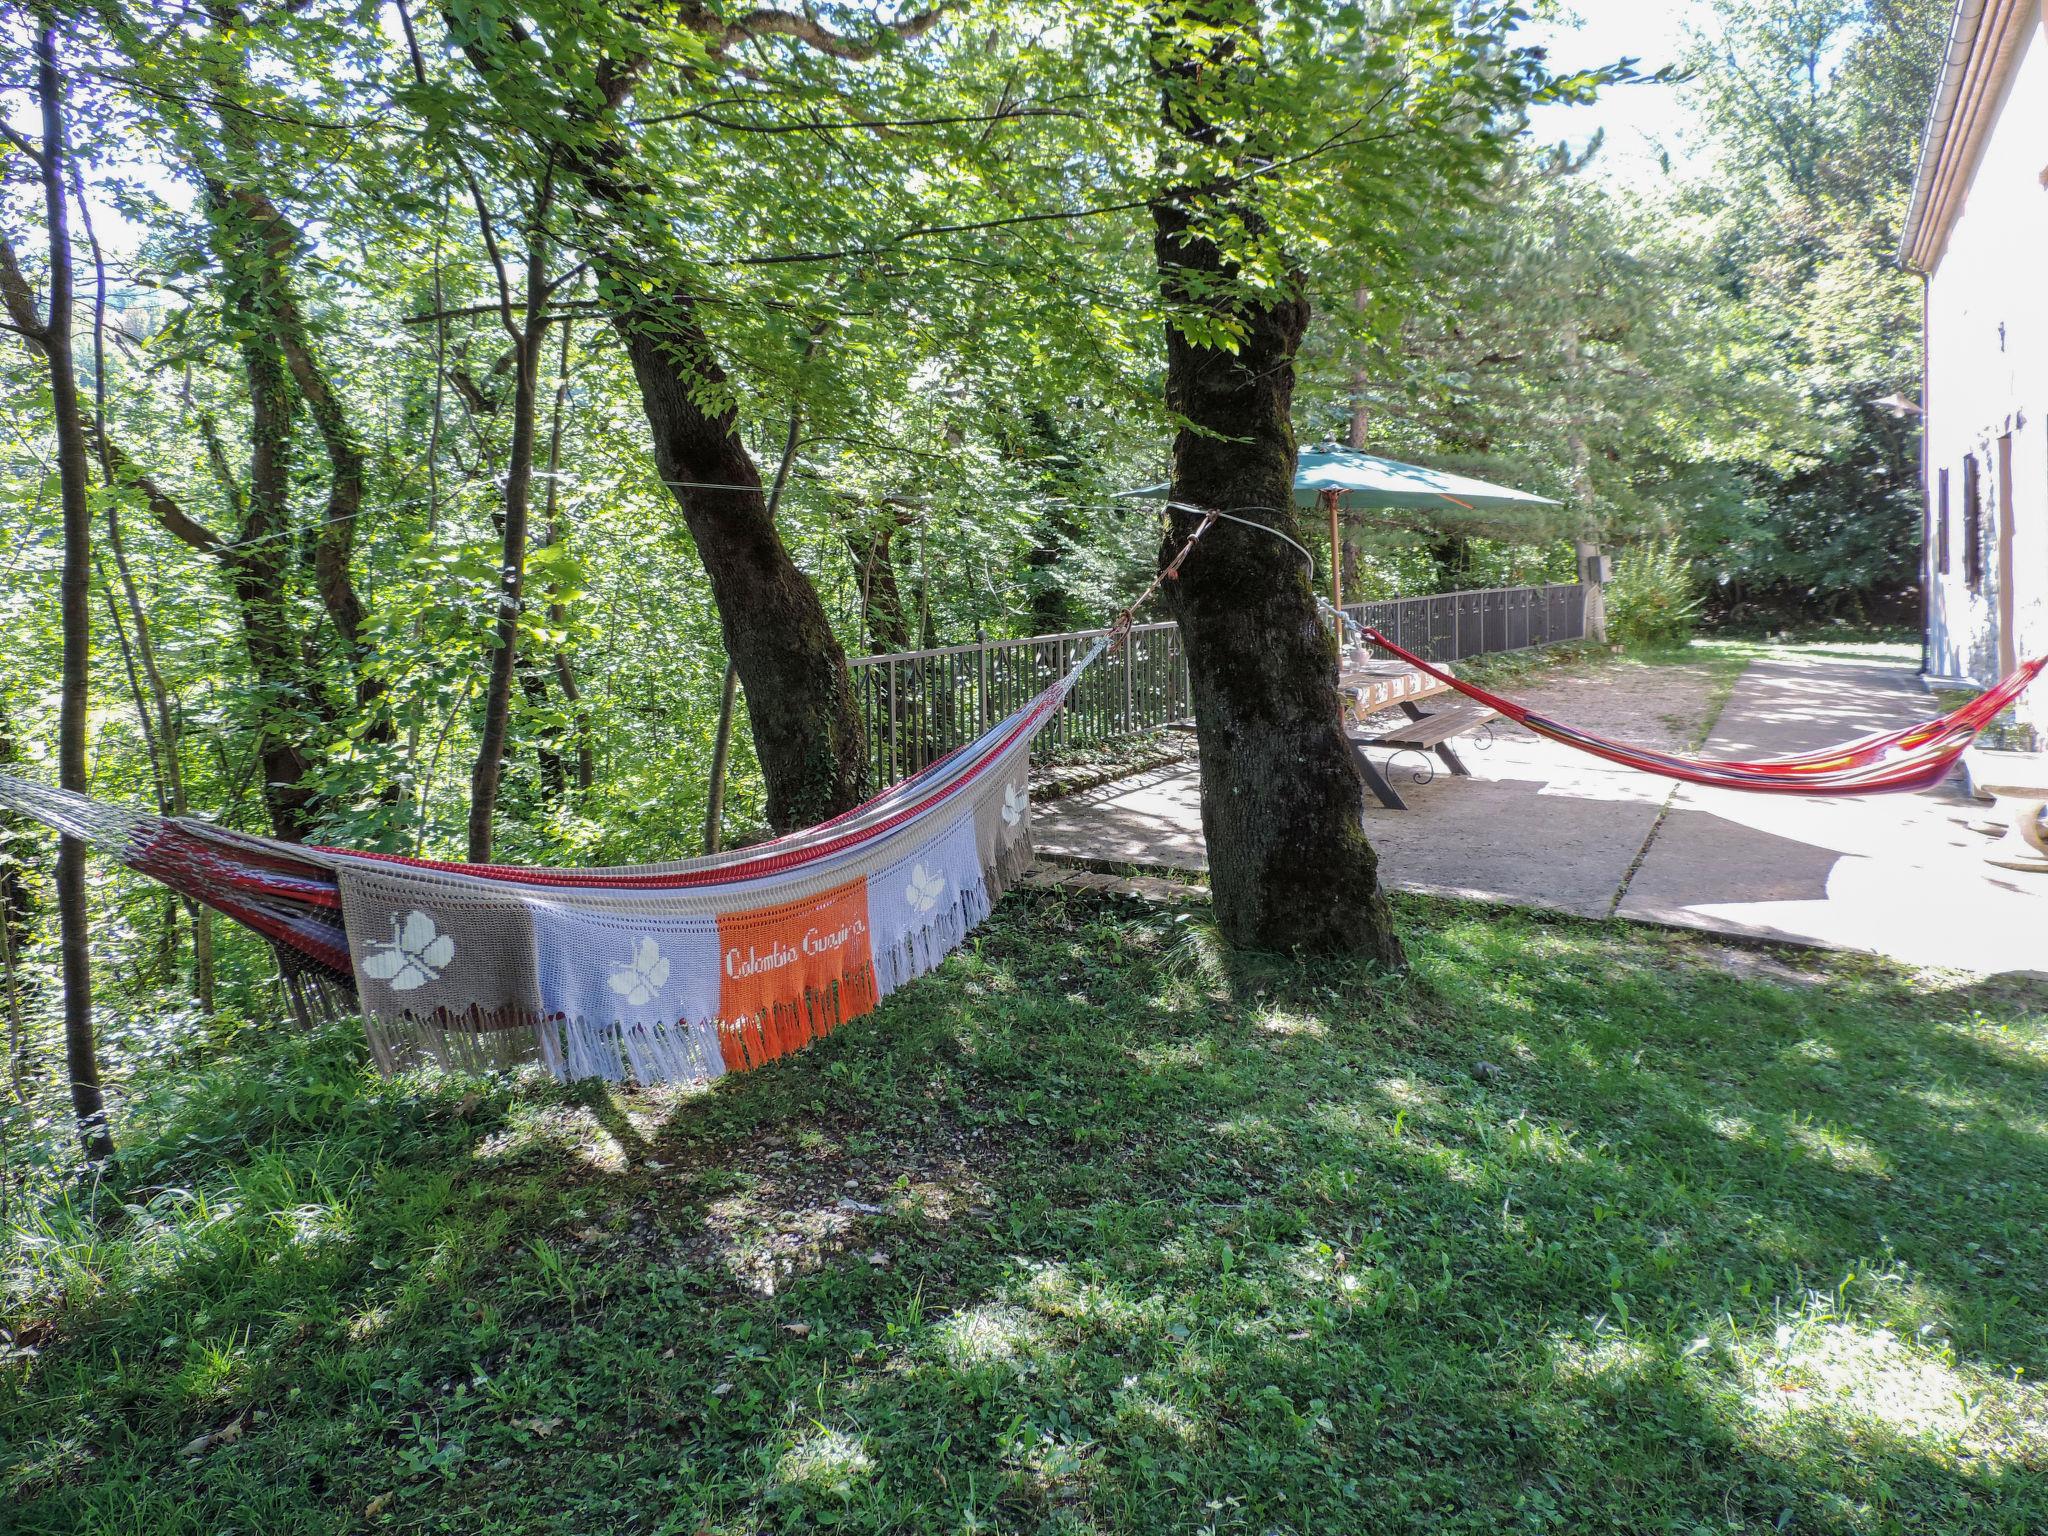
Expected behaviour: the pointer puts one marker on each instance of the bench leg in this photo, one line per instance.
(1445, 752)
(1375, 780)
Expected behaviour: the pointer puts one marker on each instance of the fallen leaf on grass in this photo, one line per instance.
(227, 1434)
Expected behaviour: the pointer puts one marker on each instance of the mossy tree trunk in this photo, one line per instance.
(1289, 862)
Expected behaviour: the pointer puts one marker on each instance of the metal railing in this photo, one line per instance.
(919, 705)
(1451, 626)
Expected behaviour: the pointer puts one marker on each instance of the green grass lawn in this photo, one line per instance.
(1578, 1227)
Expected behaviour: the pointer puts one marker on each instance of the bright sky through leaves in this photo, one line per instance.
(1639, 121)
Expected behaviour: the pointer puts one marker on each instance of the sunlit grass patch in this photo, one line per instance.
(985, 1334)
(825, 1461)
(1567, 1230)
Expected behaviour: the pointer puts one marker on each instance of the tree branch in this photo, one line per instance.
(162, 506)
(808, 30)
(1342, 139)
(20, 299)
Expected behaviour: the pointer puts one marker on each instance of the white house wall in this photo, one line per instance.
(1987, 374)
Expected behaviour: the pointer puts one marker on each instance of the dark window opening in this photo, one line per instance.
(1973, 525)
(1941, 523)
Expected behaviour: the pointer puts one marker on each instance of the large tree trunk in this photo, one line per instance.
(75, 586)
(1289, 863)
(258, 244)
(258, 565)
(807, 734)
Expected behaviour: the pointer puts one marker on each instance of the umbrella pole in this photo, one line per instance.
(1336, 565)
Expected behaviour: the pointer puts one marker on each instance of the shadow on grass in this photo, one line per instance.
(1106, 1229)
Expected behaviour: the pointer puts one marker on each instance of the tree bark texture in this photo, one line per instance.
(808, 736)
(1282, 799)
(883, 614)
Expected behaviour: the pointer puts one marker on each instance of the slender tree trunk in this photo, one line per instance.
(159, 699)
(528, 330)
(1359, 431)
(881, 595)
(565, 668)
(17, 909)
(150, 749)
(17, 901)
(721, 757)
(1289, 863)
(527, 335)
(75, 586)
(1358, 436)
(1052, 605)
(547, 756)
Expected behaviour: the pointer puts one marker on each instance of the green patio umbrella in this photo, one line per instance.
(1344, 479)
(1364, 480)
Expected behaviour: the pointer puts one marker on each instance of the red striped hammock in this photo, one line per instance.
(1885, 762)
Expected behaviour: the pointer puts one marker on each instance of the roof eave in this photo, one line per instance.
(1984, 37)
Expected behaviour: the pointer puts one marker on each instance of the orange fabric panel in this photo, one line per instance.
(791, 972)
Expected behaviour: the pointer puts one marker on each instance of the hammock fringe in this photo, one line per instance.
(580, 1046)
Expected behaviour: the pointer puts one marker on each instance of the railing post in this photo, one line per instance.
(894, 706)
(981, 674)
(1593, 574)
(1061, 672)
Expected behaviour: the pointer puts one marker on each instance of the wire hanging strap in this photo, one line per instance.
(1120, 627)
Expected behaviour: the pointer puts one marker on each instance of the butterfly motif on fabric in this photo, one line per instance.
(925, 888)
(641, 979)
(1016, 804)
(417, 954)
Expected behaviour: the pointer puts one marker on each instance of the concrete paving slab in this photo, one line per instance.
(1897, 875)
(1536, 825)
(1539, 825)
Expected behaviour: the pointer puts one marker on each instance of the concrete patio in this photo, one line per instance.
(1539, 825)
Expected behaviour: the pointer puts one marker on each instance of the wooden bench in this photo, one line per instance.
(1422, 731)
(2018, 782)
